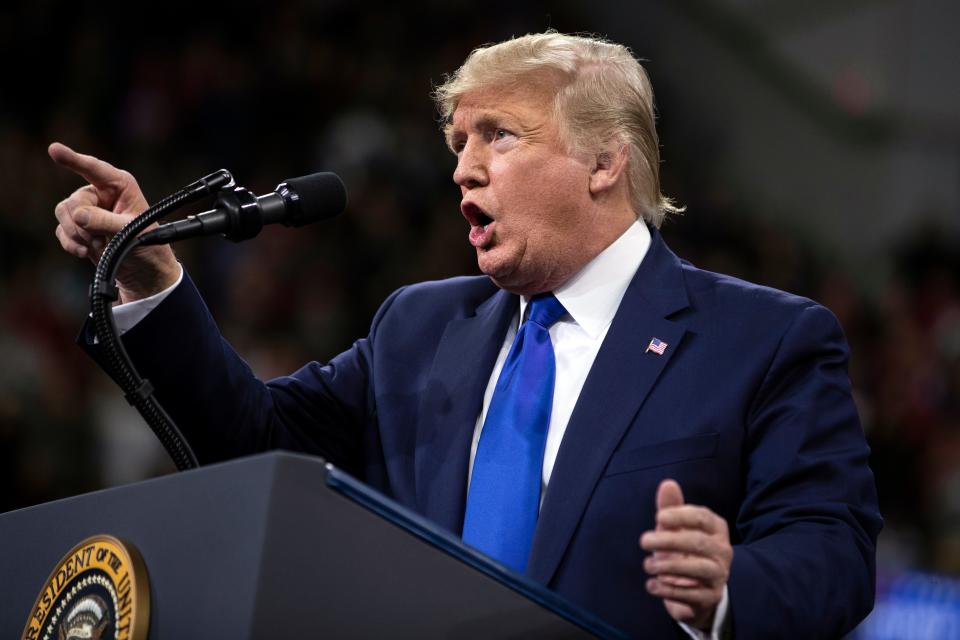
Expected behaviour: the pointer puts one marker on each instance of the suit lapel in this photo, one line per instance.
(619, 381)
(450, 405)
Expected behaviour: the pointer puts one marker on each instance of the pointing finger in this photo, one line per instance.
(94, 170)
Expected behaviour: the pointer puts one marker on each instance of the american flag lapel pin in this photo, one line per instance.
(657, 345)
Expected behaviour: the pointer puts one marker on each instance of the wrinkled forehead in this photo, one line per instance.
(518, 102)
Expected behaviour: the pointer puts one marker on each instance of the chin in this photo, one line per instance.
(503, 278)
(505, 273)
(490, 265)
(513, 283)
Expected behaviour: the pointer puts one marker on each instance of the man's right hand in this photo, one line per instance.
(94, 213)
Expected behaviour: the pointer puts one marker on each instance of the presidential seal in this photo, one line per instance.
(98, 590)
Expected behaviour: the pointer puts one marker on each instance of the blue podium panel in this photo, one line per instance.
(282, 544)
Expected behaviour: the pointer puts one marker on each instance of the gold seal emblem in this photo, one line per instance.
(98, 590)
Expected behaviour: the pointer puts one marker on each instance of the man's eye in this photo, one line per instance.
(500, 134)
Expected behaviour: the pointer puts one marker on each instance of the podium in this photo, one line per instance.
(283, 545)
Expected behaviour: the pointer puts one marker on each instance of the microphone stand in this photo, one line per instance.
(103, 292)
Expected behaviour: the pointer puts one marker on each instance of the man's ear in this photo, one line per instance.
(610, 166)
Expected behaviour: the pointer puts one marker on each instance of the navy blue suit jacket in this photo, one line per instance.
(749, 409)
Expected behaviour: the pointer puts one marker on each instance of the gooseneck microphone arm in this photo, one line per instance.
(103, 292)
(238, 215)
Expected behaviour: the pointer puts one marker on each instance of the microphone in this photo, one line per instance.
(240, 215)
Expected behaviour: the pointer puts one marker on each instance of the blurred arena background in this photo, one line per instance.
(815, 144)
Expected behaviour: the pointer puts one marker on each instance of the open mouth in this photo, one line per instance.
(475, 215)
(481, 225)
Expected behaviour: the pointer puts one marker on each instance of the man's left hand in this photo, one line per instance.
(690, 559)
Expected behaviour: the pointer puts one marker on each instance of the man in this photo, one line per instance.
(560, 444)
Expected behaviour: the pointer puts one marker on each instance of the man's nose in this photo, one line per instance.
(471, 168)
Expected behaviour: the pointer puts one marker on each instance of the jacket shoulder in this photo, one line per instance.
(437, 300)
(708, 290)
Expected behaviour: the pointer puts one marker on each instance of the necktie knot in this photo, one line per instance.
(545, 309)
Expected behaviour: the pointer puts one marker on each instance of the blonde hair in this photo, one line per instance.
(603, 96)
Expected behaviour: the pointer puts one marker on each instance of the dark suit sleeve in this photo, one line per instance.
(809, 519)
(224, 411)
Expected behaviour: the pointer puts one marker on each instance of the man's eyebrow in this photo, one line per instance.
(487, 121)
(451, 134)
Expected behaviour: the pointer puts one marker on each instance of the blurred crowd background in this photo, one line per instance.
(816, 146)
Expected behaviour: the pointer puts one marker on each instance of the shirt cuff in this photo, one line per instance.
(719, 621)
(126, 316)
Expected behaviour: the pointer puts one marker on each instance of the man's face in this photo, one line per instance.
(527, 200)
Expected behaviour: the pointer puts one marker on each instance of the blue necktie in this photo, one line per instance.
(504, 497)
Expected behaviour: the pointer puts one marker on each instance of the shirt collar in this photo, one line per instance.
(592, 296)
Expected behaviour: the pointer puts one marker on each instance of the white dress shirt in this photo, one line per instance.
(591, 298)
